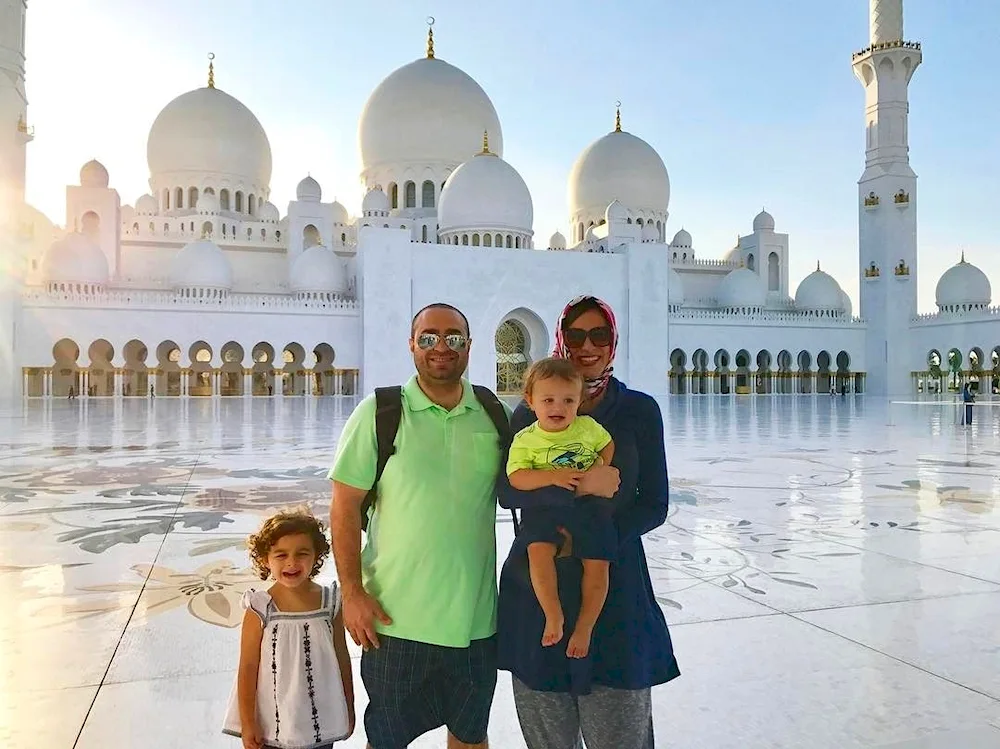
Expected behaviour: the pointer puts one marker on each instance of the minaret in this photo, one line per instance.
(887, 201)
(15, 133)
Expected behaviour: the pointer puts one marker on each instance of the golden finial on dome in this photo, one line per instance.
(430, 37)
(618, 116)
(211, 70)
(486, 141)
(963, 257)
(817, 265)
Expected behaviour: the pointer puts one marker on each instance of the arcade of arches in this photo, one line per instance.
(952, 370)
(230, 372)
(763, 373)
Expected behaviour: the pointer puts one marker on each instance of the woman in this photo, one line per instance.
(605, 697)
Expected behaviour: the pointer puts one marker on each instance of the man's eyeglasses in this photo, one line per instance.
(454, 341)
(576, 337)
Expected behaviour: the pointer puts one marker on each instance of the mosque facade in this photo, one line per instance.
(203, 288)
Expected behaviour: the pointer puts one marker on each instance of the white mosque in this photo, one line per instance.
(202, 288)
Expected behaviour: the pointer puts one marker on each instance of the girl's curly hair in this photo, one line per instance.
(287, 523)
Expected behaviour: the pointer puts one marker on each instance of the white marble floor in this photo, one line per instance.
(830, 569)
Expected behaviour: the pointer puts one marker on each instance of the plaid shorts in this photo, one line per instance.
(414, 687)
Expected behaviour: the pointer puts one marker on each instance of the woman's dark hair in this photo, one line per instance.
(287, 523)
(584, 305)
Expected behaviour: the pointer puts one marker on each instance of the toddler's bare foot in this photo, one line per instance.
(579, 644)
(553, 631)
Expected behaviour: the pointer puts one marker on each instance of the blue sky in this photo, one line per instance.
(749, 104)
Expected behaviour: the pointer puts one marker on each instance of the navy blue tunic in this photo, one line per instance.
(631, 646)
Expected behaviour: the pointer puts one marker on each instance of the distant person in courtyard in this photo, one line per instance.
(152, 391)
(294, 686)
(72, 394)
(420, 598)
(968, 398)
(557, 450)
(605, 697)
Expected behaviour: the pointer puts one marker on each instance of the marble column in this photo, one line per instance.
(26, 378)
(310, 388)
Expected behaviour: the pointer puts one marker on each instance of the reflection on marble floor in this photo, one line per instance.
(830, 580)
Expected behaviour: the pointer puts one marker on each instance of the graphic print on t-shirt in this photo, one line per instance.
(571, 455)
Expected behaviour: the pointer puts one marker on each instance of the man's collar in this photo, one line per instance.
(417, 400)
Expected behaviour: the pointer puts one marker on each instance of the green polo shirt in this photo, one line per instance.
(430, 553)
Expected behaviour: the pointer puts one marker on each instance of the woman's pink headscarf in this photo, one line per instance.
(594, 386)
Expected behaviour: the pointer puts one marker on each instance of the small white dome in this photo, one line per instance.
(649, 232)
(74, 259)
(309, 190)
(819, 291)
(557, 241)
(681, 240)
(618, 166)
(319, 270)
(208, 203)
(742, 288)
(207, 131)
(375, 203)
(93, 174)
(848, 304)
(147, 206)
(675, 288)
(486, 193)
(339, 213)
(963, 286)
(269, 213)
(201, 265)
(615, 212)
(763, 221)
(127, 213)
(426, 112)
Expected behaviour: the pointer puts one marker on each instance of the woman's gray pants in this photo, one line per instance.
(604, 719)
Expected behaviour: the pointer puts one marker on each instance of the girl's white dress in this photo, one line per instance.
(300, 695)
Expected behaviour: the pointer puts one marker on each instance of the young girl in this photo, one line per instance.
(556, 451)
(294, 687)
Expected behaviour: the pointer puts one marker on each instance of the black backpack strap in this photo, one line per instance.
(498, 414)
(388, 414)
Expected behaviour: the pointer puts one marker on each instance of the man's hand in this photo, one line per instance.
(599, 481)
(567, 478)
(360, 613)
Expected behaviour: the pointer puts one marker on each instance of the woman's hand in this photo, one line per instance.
(251, 735)
(599, 481)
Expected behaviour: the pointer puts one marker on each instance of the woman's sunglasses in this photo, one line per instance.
(454, 341)
(576, 337)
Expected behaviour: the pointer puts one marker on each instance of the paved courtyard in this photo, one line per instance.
(830, 569)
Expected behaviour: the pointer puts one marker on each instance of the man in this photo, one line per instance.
(421, 598)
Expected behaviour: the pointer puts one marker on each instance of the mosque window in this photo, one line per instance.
(751, 262)
(487, 240)
(135, 227)
(510, 241)
(517, 243)
(263, 234)
(166, 228)
(209, 191)
(277, 236)
(579, 233)
(465, 239)
(239, 202)
(152, 229)
(394, 195)
(410, 195)
(179, 197)
(250, 205)
(475, 240)
(191, 226)
(166, 199)
(427, 196)
(343, 238)
(192, 197)
(224, 200)
(423, 233)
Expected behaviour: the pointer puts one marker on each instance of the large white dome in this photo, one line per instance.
(201, 265)
(963, 286)
(620, 167)
(742, 288)
(486, 193)
(207, 131)
(74, 259)
(426, 112)
(819, 291)
(318, 270)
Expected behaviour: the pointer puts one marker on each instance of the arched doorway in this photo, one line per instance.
(512, 356)
(844, 378)
(823, 381)
(722, 372)
(678, 373)
(135, 376)
(324, 375)
(201, 375)
(742, 372)
(805, 372)
(231, 373)
(935, 373)
(995, 377)
(699, 372)
(263, 369)
(763, 380)
(65, 373)
(784, 372)
(168, 373)
(976, 359)
(101, 374)
(955, 374)
(293, 373)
